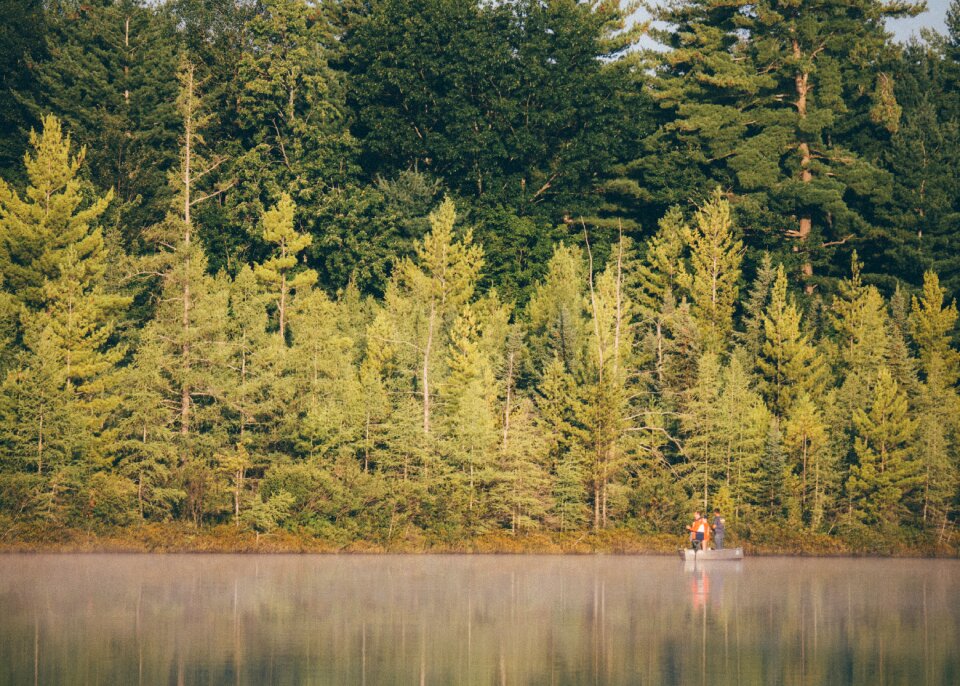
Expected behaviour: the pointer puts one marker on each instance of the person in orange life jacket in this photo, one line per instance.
(699, 532)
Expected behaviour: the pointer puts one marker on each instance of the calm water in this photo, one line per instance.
(225, 619)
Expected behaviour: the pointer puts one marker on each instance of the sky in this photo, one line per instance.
(934, 18)
(903, 29)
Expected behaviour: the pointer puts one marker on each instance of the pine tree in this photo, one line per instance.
(556, 313)
(470, 397)
(110, 75)
(53, 216)
(742, 424)
(932, 325)
(755, 307)
(657, 274)
(703, 430)
(561, 411)
(278, 228)
(291, 112)
(712, 282)
(187, 329)
(145, 450)
(251, 359)
(760, 91)
(859, 317)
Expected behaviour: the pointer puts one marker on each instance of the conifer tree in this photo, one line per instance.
(251, 358)
(703, 429)
(470, 395)
(755, 307)
(561, 411)
(805, 438)
(291, 111)
(932, 325)
(278, 228)
(110, 74)
(712, 282)
(145, 450)
(788, 364)
(556, 313)
(437, 285)
(53, 216)
(759, 91)
(190, 316)
(743, 420)
(886, 471)
(657, 274)
(318, 400)
(860, 319)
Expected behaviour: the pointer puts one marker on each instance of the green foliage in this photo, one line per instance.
(300, 331)
(52, 216)
(788, 364)
(713, 280)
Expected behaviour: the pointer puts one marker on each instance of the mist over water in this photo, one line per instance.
(278, 619)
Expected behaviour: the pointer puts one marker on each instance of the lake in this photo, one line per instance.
(484, 619)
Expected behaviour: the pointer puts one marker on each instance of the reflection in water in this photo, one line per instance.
(211, 619)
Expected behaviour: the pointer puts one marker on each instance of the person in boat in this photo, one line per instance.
(719, 527)
(699, 532)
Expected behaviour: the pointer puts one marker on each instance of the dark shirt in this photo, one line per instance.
(718, 525)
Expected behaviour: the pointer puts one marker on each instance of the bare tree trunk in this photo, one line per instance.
(802, 83)
(40, 447)
(283, 299)
(426, 368)
(506, 405)
(187, 182)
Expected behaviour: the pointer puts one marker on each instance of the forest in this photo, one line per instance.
(415, 273)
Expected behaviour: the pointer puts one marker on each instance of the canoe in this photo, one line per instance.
(711, 555)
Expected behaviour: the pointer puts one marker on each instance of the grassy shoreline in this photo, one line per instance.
(179, 538)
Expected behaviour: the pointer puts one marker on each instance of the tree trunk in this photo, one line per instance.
(426, 368)
(802, 82)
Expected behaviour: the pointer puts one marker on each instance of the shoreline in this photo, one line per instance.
(225, 539)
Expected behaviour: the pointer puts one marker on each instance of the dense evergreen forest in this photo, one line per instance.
(432, 270)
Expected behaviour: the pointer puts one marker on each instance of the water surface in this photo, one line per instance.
(286, 619)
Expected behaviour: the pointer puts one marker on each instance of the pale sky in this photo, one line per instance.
(934, 18)
(903, 29)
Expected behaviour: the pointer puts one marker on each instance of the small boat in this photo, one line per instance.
(691, 555)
